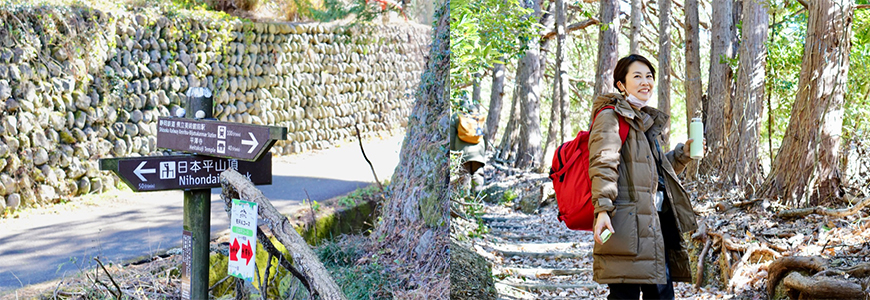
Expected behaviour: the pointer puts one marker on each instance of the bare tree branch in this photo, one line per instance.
(804, 3)
(576, 26)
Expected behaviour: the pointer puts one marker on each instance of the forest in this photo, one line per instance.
(782, 89)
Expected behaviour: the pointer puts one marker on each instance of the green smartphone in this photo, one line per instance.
(605, 235)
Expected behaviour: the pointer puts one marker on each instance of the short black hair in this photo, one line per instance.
(621, 69)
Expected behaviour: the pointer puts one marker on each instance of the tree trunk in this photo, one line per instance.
(719, 87)
(693, 73)
(636, 25)
(495, 101)
(475, 89)
(743, 167)
(556, 129)
(529, 78)
(415, 216)
(508, 147)
(608, 44)
(664, 71)
(805, 170)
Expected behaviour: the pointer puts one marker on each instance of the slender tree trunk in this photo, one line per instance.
(564, 84)
(475, 89)
(693, 73)
(508, 147)
(719, 87)
(555, 131)
(529, 152)
(416, 213)
(495, 101)
(636, 24)
(805, 171)
(608, 46)
(746, 108)
(664, 72)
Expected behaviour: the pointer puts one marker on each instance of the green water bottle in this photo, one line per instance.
(696, 132)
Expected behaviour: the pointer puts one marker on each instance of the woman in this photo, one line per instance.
(636, 193)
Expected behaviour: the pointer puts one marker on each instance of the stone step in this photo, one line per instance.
(543, 286)
(536, 272)
(537, 254)
(507, 226)
(490, 219)
(511, 293)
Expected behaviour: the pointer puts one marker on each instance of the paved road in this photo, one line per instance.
(120, 226)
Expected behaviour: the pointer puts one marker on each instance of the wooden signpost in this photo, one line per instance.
(214, 146)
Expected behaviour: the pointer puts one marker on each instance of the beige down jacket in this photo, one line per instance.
(624, 184)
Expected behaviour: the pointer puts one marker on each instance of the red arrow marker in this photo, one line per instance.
(247, 253)
(234, 248)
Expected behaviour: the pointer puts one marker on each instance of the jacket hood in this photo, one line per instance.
(618, 102)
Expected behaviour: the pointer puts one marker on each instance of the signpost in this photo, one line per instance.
(220, 146)
(177, 172)
(216, 138)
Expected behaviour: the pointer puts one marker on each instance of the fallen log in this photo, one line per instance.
(824, 211)
(313, 271)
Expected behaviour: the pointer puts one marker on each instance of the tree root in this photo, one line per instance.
(801, 212)
(699, 278)
(819, 285)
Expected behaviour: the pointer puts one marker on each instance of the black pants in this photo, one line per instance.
(652, 291)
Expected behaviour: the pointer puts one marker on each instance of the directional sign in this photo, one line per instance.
(216, 138)
(243, 225)
(157, 173)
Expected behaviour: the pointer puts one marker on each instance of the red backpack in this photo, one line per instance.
(570, 175)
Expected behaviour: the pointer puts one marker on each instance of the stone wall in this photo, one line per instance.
(79, 84)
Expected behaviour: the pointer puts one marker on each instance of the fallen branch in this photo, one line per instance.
(267, 244)
(699, 278)
(322, 284)
(219, 282)
(118, 295)
(801, 212)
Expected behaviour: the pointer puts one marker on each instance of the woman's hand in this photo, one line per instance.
(602, 221)
(687, 146)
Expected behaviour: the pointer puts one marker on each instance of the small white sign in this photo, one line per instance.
(243, 239)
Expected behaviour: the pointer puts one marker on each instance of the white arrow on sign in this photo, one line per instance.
(252, 142)
(139, 171)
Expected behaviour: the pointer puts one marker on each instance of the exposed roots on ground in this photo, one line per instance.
(820, 281)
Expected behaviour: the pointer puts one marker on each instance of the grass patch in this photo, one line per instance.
(360, 275)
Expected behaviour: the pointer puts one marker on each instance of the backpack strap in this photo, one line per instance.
(623, 124)
(623, 134)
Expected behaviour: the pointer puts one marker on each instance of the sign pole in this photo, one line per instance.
(197, 204)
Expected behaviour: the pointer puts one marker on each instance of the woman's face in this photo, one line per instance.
(639, 81)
